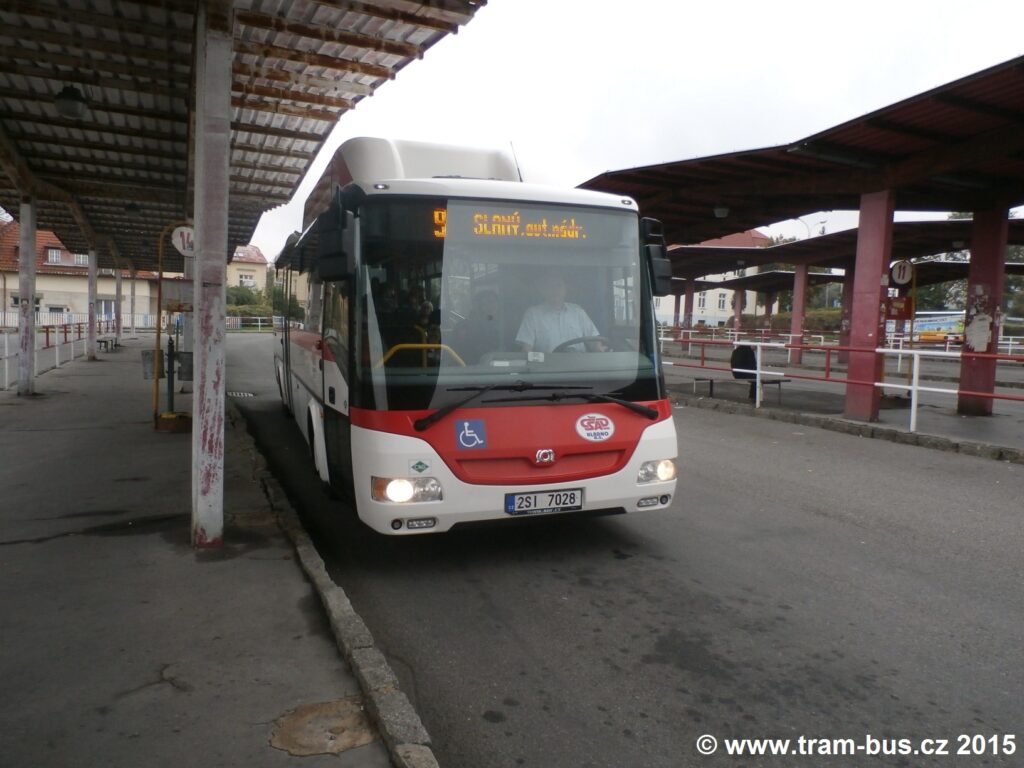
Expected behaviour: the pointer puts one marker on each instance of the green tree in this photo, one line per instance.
(239, 295)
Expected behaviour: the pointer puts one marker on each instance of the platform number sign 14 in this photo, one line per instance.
(902, 272)
(183, 240)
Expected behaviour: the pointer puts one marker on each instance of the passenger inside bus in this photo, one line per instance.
(553, 322)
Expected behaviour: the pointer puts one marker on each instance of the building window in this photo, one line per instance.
(721, 301)
(81, 259)
(53, 255)
(247, 279)
(702, 300)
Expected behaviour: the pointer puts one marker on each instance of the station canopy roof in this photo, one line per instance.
(959, 147)
(910, 240)
(112, 172)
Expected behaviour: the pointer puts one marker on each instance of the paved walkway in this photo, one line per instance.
(123, 646)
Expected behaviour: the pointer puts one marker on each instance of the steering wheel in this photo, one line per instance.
(580, 340)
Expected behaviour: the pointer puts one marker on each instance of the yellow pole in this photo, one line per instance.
(159, 315)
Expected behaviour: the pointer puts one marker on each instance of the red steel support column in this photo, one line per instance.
(675, 311)
(981, 322)
(867, 325)
(796, 326)
(212, 137)
(846, 313)
(738, 298)
(688, 305)
(27, 298)
(90, 338)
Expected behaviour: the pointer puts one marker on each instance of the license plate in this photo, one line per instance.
(542, 502)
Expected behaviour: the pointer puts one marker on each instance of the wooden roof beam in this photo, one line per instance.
(287, 76)
(76, 19)
(238, 146)
(242, 165)
(77, 63)
(269, 130)
(337, 63)
(390, 14)
(91, 79)
(282, 94)
(96, 45)
(29, 184)
(186, 7)
(95, 106)
(112, 190)
(327, 34)
(270, 107)
(257, 182)
(112, 164)
(117, 149)
(87, 127)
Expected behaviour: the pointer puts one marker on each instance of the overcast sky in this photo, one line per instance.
(579, 87)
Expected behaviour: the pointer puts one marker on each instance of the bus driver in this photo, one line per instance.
(555, 322)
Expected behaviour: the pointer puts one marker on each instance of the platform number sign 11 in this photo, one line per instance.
(902, 272)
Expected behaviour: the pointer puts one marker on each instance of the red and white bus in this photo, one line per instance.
(469, 347)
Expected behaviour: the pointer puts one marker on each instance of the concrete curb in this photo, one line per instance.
(400, 726)
(858, 428)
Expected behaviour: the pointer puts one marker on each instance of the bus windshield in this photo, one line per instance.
(459, 294)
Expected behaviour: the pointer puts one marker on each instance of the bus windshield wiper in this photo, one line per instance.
(643, 410)
(475, 392)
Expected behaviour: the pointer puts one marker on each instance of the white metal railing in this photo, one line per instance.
(258, 324)
(9, 319)
(914, 386)
(46, 357)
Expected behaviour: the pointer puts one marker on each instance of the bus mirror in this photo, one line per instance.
(661, 269)
(334, 247)
(651, 231)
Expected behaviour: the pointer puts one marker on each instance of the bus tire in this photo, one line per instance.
(325, 484)
(280, 390)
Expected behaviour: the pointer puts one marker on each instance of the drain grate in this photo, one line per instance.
(241, 394)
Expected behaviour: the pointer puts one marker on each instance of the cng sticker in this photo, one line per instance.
(595, 427)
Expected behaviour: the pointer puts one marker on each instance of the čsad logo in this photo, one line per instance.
(595, 427)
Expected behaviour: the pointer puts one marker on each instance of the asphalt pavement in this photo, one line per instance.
(805, 582)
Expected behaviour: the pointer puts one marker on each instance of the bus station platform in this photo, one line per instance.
(821, 403)
(123, 645)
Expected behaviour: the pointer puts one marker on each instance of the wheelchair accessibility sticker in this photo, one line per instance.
(471, 433)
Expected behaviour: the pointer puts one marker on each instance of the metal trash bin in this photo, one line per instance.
(147, 364)
(184, 365)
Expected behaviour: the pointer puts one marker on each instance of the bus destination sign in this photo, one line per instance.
(512, 225)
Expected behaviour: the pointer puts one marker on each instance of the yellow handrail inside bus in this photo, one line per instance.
(399, 347)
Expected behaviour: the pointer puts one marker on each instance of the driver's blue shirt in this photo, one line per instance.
(544, 327)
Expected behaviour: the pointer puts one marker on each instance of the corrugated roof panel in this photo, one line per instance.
(132, 62)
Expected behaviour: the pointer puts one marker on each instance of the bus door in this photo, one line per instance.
(284, 376)
(337, 366)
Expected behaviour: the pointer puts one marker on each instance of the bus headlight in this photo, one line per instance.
(399, 490)
(657, 471)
